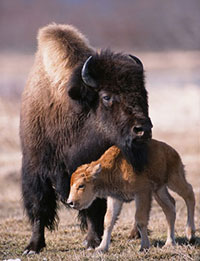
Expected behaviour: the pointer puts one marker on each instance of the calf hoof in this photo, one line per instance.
(101, 249)
(144, 249)
(192, 240)
(169, 243)
(190, 234)
(145, 246)
(135, 234)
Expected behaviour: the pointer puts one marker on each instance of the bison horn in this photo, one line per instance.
(136, 60)
(86, 77)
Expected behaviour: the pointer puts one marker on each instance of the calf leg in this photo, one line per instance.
(113, 209)
(134, 232)
(143, 206)
(40, 202)
(167, 203)
(178, 184)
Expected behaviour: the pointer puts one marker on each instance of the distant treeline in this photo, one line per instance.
(130, 24)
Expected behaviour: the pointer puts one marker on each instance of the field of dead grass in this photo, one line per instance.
(175, 112)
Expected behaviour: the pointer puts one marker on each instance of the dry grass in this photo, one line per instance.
(176, 120)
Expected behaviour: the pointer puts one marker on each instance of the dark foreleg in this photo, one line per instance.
(40, 202)
(93, 219)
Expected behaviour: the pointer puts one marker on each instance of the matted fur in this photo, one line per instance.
(112, 176)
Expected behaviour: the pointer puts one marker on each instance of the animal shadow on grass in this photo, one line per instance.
(179, 241)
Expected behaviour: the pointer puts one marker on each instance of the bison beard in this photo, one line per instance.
(73, 108)
(137, 156)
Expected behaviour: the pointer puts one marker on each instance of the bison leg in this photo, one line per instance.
(37, 241)
(93, 219)
(40, 202)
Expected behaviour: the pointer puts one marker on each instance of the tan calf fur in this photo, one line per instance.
(113, 177)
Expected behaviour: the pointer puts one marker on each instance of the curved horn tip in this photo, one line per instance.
(86, 77)
(136, 60)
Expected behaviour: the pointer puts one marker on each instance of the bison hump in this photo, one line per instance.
(62, 47)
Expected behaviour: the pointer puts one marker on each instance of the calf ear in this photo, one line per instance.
(95, 170)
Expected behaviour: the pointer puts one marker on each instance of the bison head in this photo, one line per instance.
(112, 87)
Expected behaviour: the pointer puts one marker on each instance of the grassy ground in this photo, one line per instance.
(176, 121)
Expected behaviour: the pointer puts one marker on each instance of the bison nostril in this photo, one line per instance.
(138, 130)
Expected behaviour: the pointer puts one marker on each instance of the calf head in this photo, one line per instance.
(82, 189)
(112, 87)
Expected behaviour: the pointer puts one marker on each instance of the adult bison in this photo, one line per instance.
(77, 103)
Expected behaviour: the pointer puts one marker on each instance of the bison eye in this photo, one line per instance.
(106, 98)
(81, 186)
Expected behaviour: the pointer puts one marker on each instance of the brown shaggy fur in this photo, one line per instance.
(66, 122)
(54, 43)
(112, 176)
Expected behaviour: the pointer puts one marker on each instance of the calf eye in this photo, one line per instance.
(81, 186)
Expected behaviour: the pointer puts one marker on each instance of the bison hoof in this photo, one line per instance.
(34, 248)
(28, 252)
(92, 242)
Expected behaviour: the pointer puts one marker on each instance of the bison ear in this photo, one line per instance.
(82, 85)
(95, 170)
(136, 61)
(75, 93)
(83, 94)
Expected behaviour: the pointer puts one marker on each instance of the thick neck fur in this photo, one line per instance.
(87, 146)
(75, 137)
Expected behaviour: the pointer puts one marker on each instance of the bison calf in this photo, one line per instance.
(113, 177)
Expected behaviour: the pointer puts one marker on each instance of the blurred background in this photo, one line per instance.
(135, 26)
(165, 35)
